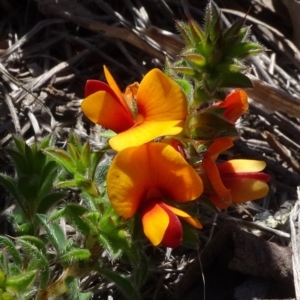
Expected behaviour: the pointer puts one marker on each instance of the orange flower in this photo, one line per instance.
(144, 179)
(237, 181)
(234, 105)
(155, 107)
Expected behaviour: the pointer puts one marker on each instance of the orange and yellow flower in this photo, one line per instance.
(234, 105)
(233, 181)
(155, 107)
(146, 179)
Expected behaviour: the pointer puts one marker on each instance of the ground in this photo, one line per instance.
(48, 49)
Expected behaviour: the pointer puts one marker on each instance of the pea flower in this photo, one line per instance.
(146, 179)
(155, 107)
(234, 105)
(233, 181)
(219, 119)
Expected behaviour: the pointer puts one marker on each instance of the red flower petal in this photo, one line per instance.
(92, 86)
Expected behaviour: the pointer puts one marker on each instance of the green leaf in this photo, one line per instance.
(235, 80)
(139, 262)
(46, 142)
(10, 184)
(75, 254)
(37, 261)
(101, 171)
(54, 233)
(20, 162)
(197, 32)
(246, 49)
(200, 97)
(207, 126)
(75, 141)
(122, 283)
(62, 158)
(74, 213)
(37, 162)
(73, 151)
(95, 160)
(185, 33)
(38, 243)
(184, 70)
(86, 155)
(29, 188)
(195, 58)
(11, 249)
(49, 201)
(107, 133)
(92, 220)
(21, 282)
(48, 175)
(19, 145)
(85, 296)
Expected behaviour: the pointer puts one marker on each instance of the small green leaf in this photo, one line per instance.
(197, 32)
(206, 126)
(29, 187)
(37, 162)
(74, 213)
(54, 233)
(11, 249)
(95, 160)
(38, 243)
(75, 254)
(46, 142)
(235, 80)
(10, 184)
(85, 296)
(20, 162)
(86, 155)
(19, 145)
(37, 261)
(185, 33)
(21, 282)
(195, 58)
(49, 201)
(47, 177)
(62, 158)
(108, 133)
(184, 70)
(246, 49)
(75, 141)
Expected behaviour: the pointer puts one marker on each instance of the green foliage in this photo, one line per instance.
(79, 165)
(212, 58)
(32, 185)
(207, 126)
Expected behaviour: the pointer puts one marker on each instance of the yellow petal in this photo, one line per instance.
(126, 180)
(111, 82)
(214, 177)
(241, 166)
(144, 132)
(246, 189)
(137, 170)
(160, 98)
(155, 222)
(103, 109)
(193, 221)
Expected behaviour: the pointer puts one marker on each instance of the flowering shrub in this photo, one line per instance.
(169, 132)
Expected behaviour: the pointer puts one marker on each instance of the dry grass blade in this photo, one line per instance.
(274, 98)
